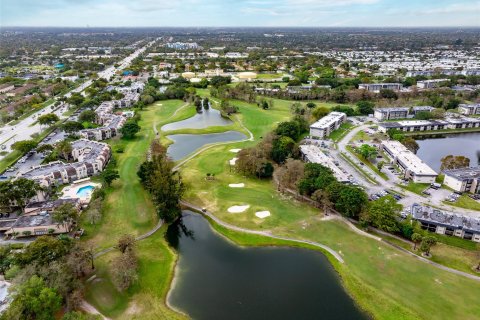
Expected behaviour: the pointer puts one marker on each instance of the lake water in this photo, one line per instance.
(433, 149)
(216, 279)
(185, 144)
(208, 118)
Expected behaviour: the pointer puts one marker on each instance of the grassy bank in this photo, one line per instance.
(385, 282)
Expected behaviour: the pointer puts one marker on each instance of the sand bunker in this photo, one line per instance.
(262, 214)
(236, 185)
(233, 161)
(238, 209)
(235, 150)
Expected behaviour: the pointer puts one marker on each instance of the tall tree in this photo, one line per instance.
(48, 119)
(22, 190)
(165, 185)
(129, 129)
(33, 300)
(109, 175)
(454, 162)
(64, 148)
(24, 145)
(65, 215)
(383, 214)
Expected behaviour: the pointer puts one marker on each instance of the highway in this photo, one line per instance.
(24, 130)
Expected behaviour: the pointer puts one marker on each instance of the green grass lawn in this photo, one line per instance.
(385, 282)
(270, 76)
(130, 210)
(415, 187)
(367, 163)
(338, 134)
(466, 202)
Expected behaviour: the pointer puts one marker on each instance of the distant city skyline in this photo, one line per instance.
(233, 13)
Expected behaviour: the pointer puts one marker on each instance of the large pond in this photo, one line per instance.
(185, 144)
(434, 148)
(216, 279)
(208, 118)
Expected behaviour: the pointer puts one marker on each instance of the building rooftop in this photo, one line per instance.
(408, 158)
(328, 119)
(316, 155)
(464, 173)
(392, 109)
(33, 221)
(432, 215)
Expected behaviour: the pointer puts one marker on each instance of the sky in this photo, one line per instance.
(232, 13)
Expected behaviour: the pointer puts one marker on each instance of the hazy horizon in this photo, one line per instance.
(241, 13)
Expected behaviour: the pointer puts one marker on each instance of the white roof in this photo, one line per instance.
(328, 120)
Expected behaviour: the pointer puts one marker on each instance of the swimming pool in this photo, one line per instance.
(85, 191)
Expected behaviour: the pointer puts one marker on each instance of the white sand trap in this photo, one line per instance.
(233, 161)
(238, 209)
(236, 185)
(262, 214)
(235, 150)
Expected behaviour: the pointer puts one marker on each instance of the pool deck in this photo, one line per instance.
(71, 190)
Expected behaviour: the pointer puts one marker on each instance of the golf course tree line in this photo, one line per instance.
(47, 277)
(163, 183)
(275, 148)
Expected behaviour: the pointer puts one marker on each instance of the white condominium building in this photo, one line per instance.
(323, 127)
(413, 167)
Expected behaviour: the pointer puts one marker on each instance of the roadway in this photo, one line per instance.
(435, 199)
(24, 130)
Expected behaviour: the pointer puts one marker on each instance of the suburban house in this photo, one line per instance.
(412, 166)
(463, 180)
(323, 127)
(447, 223)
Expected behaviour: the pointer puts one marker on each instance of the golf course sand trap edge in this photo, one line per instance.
(235, 150)
(238, 209)
(236, 185)
(233, 161)
(262, 214)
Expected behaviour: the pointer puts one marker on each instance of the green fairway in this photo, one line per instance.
(383, 280)
(129, 210)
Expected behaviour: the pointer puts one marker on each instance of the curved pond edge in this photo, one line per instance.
(270, 241)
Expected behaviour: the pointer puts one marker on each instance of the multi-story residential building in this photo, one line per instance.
(430, 84)
(91, 158)
(376, 87)
(430, 125)
(469, 109)
(463, 180)
(323, 127)
(391, 113)
(412, 166)
(415, 110)
(447, 223)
